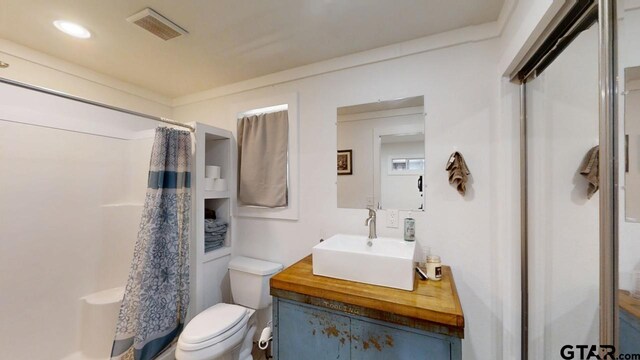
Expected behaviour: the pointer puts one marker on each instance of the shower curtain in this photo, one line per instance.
(157, 293)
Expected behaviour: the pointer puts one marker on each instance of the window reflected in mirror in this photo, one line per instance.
(385, 161)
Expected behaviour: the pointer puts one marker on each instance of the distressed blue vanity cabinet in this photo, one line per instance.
(629, 323)
(318, 318)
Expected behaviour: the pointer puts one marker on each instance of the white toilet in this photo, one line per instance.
(225, 331)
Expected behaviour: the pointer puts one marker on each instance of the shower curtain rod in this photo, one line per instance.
(94, 103)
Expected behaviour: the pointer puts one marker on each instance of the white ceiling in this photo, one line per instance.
(228, 40)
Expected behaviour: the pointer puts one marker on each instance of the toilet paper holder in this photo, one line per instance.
(265, 338)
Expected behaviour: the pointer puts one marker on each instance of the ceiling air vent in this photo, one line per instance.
(157, 24)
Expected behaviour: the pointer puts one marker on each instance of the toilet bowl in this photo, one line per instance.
(216, 331)
(227, 330)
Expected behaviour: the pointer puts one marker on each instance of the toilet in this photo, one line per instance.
(226, 331)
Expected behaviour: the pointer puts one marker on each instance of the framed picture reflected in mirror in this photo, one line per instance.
(345, 162)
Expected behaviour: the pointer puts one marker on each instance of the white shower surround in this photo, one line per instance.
(71, 209)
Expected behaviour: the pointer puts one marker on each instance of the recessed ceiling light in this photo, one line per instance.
(72, 29)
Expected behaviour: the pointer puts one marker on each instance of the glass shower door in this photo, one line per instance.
(562, 117)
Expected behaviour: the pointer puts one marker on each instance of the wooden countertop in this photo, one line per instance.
(628, 303)
(432, 305)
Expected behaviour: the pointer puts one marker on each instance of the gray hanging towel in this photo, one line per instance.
(458, 172)
(590, 168)
(263, 141)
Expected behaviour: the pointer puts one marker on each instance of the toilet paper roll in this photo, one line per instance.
(220, 185)
(209, 184)
(265, 337)
(212, 172)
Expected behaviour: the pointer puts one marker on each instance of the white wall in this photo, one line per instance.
(526, 21)
(461, 103)
(353, 190)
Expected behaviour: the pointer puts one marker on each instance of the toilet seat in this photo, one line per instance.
(213, 326)
(211, 351)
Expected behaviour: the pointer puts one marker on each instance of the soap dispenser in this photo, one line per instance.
(409, 228)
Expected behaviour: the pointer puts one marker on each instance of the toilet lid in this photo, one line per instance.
(212, 322)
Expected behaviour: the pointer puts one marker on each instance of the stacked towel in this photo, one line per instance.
(590, 168)
(458, 172)
(214, 226)
(215, 231)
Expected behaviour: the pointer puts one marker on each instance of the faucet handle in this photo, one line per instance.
(372, 211)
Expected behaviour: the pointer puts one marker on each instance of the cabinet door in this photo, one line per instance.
(629, 333)
(311, 334)
(371, 341)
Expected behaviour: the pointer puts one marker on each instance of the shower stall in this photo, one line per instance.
(72, 190)
(562, 127)
(579, 243)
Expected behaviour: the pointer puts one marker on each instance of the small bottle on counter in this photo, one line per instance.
(434, 267)
(409, 229)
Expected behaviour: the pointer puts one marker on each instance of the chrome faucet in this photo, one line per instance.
(371, 223)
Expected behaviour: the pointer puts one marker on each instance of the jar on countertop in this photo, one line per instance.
(434, 267)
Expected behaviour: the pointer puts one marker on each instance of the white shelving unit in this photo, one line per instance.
(209, 280)
(211, 194)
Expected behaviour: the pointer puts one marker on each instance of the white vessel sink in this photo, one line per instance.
(388, 262)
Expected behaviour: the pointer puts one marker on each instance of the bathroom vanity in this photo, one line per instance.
(316, 317)
(629, 323)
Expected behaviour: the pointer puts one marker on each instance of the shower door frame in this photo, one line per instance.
(550, 45)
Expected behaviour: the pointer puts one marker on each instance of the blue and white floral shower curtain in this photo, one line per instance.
(157, 293)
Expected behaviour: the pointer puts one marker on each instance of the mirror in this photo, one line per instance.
(629, 143)
(380, 155)
(632, 143)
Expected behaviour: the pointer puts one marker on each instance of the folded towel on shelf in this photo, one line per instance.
(590, 168)
(213, 238)
(216, 230)
(213, 246)
(215, 233)
(458, 172)
(217, 225)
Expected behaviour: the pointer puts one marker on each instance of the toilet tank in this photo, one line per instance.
(250, 281)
